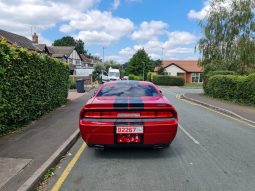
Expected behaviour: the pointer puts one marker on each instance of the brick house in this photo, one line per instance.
(189, 70)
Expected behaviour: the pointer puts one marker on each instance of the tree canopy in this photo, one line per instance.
(139, 61)
(70, 41)
(111, 63)
(228, 37)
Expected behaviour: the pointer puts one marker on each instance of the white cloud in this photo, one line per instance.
(149, 30)
(178, 38)
(199, 15)
(109, 28)
(181, 50)
(94, 27)
(115, 4)
(179, 45)
(95, 37)
(202, 14)
(19, 16)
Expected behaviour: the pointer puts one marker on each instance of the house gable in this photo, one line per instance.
(173, 70)
(75, 55)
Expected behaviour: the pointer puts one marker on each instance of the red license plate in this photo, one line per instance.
(130, 130)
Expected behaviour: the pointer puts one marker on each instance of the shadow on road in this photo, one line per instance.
(135, 153)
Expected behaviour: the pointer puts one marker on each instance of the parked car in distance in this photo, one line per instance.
(129, 113)
(125, 78)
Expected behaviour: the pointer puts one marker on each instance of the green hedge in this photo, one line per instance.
(213, 73)
(72, 83)
(31, 85)
(149, 76)
(134, 77)
(235, 88)
(168, 80)
(221, 72)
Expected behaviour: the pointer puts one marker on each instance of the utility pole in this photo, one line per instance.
(162, 57)
(143, 70)
(103, 53)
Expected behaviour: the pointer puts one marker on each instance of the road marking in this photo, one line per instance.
(68, 169)
(189, 135)
(192, 103)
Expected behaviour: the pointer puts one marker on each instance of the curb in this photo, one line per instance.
(225, 111)
(37, 176)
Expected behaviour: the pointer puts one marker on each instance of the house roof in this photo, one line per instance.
(61, 51)
(40, 47)
(186, 65)
(19, 40)
(86, 59)
(43, 48)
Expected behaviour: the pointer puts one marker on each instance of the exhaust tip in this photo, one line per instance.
(99, 147)
(158, 146)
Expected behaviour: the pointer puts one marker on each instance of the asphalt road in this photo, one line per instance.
(211, 152)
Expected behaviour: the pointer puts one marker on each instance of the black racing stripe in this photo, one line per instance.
(136, 103)
(120, 103)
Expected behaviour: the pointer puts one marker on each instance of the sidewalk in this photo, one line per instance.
(22, 153)
(247, 113)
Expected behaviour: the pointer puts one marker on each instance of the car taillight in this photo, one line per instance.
(164, 114)
(120, 115)
(148, 114)
(109, 114)
(92, 114)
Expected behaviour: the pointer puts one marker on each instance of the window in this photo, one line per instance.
(77, 62)
(197, 77)
(128, 90)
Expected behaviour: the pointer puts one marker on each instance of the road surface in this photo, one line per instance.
(211, 152)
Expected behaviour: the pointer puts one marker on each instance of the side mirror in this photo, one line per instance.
(160, 92)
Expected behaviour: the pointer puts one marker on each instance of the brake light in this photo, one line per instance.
(120, 115)
(164, 114)
(148, 114)
(92, 114)
(108, 114)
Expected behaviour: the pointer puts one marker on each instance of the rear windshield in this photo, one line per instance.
(128, 90)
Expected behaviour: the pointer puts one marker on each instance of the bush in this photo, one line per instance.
(134, 77)
(168, 80)
(153, 76)
(213, 73)
(31, 85)
(235, 88)
(72, 83)
(221, 72)
(149, 76)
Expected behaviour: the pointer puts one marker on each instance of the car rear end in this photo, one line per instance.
(119, 121)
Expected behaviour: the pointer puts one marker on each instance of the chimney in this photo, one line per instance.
(35, 38)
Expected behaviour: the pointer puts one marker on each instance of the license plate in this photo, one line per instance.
(129, 130)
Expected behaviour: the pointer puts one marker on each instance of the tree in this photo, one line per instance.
(139, 62)
(70, 41)
(98, 69)
(112, 64)
(228, 41)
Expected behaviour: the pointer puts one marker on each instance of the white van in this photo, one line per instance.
(113, 74)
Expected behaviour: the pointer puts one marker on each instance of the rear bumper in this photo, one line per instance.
(102, 132)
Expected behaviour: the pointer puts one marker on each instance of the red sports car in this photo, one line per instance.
(128, 113)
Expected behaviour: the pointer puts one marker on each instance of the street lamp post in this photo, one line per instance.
(143, 70)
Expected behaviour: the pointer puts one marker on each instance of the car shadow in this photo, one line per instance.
(136, 153)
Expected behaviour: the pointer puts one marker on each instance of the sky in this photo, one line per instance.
(166, 29)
